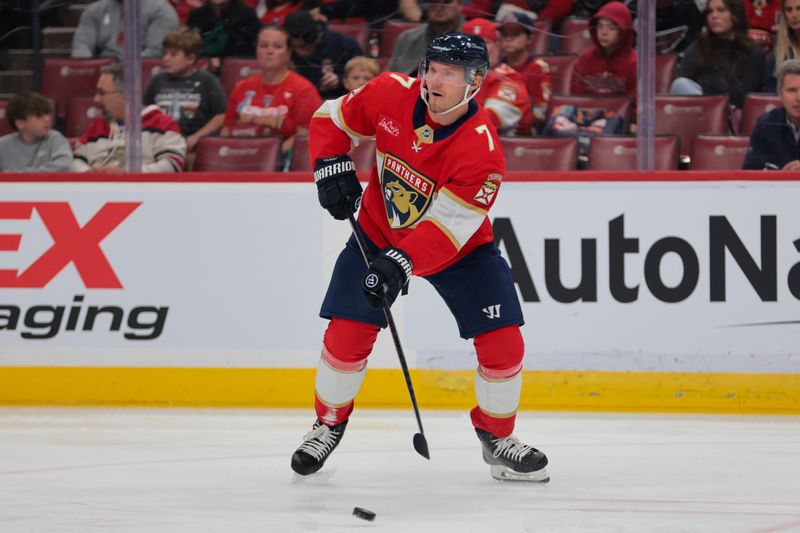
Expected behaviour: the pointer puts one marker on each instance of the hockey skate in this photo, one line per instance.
(317, 446)
(510, 460)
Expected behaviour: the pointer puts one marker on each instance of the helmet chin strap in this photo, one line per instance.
(423, 89)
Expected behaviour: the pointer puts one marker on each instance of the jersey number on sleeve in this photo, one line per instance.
(483, 128)
(405, 82)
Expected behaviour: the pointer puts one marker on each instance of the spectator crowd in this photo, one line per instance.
(261, 68)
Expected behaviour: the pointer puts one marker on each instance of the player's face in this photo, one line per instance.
(176, 62)
(791, 12)
(790, 96)
(446, 85)
(273, 50)
(719, 18)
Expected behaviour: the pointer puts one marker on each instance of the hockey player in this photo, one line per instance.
(424, 213)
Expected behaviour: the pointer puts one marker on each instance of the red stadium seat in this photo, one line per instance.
(5, 127)
(237, 154)
(561, 67)
(608, 152)
(719, 152)
(575, 36)
(755, 105)
(665, 72)
(540, 42)
(65, 78)
(391, 31)
(541, 153)
(686, 116)
(154, 65)
(363, 155)
(235, 69)
(619, 105)
(356, 30)
(81, 112)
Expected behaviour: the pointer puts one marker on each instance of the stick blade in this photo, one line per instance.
(421, 445)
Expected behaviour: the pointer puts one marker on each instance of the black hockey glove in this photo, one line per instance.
(386, 276)
(337, 185)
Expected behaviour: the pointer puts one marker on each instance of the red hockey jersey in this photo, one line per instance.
(432, 187)
(504, 95)
(294, 99)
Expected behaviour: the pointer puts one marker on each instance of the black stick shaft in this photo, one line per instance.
(393, 329)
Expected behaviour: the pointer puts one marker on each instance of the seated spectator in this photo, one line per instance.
(552, 10)
(193, 98)
(787, 43)
(100, 30)
(229, 29)
(409, 49)
(275, 102)
(184, 7)
(723, 59)
(503, 92)
(776, 135)
(102, 147)
(515, 32)
(358, 71)
(318, 54)
(609, 67)
(762, 16)
(677, 24)
(35, 146)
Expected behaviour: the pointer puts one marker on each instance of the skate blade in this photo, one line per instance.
(503, 473)
(320, 477)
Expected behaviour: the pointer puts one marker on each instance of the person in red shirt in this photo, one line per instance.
(503, 92)
(609, 67)
(424, 212)
(275, 102)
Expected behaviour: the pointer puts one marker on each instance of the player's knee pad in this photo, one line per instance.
(500, 352)
(347, 343)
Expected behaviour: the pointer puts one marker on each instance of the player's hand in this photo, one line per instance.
(792, 165)
(337, 185)
(387, 275)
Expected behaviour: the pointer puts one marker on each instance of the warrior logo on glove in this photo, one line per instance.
(337, 185)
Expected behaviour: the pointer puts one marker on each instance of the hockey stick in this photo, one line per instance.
(420, 444)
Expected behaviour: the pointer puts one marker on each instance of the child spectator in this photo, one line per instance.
(318, 54)
(503, 92)
(35, 146)
(515, 31)
(102, 147)
(787, 42)
(762, 16)
(358, 71)
(229, 29)
(275, 102)
(723, 59)
(608, 68)
(194, 98)
(100, 32)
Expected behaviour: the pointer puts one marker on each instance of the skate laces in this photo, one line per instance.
(512, 448)
(319, 441)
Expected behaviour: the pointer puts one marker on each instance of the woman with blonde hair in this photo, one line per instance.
(787, 42)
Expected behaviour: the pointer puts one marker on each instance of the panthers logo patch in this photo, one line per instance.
(406, 192)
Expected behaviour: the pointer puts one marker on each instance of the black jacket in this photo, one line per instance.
(238, 21)
(772, 142)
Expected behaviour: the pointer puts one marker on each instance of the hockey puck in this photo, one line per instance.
(364, 514)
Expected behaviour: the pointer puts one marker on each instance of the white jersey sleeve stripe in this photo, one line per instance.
(460, 219)
(333, 109)
(508, 113)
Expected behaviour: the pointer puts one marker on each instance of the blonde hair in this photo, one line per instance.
(787, 43)
(363, 62)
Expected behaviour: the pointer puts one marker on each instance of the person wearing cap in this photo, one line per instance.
(318, 54)
(552, 10)
(609, 67)
(503, 93)
(409, 49)
(515, 32)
